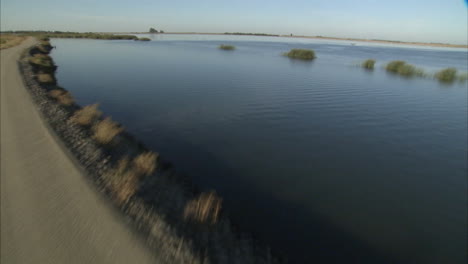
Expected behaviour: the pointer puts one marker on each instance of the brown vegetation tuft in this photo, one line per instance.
(126, 186)
(145, 163)
(63, 97)
(55, 93)
(42, 60)
(106, 130)
(123, 180)
(45, 78)
(204, 209)
(87, 115)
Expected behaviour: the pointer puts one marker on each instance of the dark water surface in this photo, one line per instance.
(324, 161)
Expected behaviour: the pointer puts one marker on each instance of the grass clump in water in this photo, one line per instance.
(407, 70)
(463, 77)
(302, 54)
(394, 66)
(368, 64)
(143, 39)
(87, 115)
(106, 130)
(447, 75)
(404, 69)
(227, 47)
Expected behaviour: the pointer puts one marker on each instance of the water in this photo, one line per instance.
(324, 161)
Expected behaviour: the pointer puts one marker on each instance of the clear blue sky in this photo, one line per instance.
(407, 20)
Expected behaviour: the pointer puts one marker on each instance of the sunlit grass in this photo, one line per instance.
(45, 78)
(43, 62)
(87, 115)
(203, 209)
(106, 130)
(63, 97)
(145, 163)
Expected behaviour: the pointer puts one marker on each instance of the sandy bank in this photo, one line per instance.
(49, 212)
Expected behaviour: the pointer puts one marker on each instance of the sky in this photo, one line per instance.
(442, 21)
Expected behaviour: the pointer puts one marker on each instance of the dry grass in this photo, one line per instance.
(44, 46)
(45, 78)
(204, 209)
(63, 97)
(106, 130)
(123, 180)
(55, 93)
(10, 40)
(145, 163)
(126, 186)
(42, 60)
(122, 165)
(87, 115)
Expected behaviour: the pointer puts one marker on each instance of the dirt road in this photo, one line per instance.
(49, 212)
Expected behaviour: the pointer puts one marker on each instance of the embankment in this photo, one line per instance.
(50, 212)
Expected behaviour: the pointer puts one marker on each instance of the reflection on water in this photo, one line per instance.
(323, 160)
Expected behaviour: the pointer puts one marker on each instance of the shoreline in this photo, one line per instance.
(157, 208)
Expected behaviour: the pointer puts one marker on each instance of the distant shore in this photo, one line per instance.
(385, 41)
(327, 38)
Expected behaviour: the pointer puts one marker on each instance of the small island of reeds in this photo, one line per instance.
(368, 64)
(447, 75)
(227, 47)
(302, 54)
(404, 69)
(143, 39)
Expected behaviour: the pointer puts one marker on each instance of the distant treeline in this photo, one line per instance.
(251, 34)
(68, 34)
